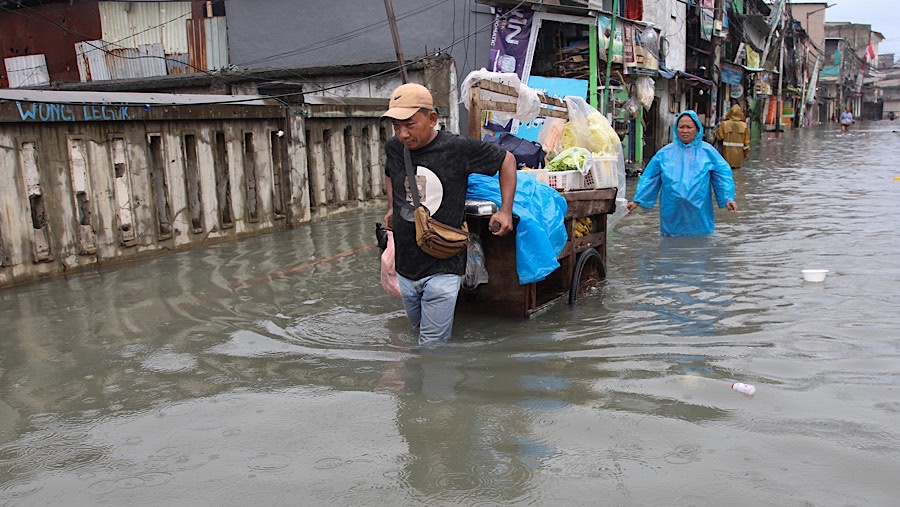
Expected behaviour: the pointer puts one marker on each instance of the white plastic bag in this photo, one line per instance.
(588, 128)
(646, 90)
(576, 132)
(476, 272)
(620, 195)
(632, 105)
(388, 273)
(550, 136)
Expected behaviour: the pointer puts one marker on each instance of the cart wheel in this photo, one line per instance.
(589, 271)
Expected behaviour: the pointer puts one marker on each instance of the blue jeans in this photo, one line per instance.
(430, 303)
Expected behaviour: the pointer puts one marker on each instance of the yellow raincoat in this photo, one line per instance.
(735, 137)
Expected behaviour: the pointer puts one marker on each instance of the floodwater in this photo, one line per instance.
(275, 371)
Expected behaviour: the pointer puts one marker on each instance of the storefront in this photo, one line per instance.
(560, 53)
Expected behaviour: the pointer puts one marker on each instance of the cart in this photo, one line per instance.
(583, 259)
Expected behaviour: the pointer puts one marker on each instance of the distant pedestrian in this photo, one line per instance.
(684, 174)
(735, 137)
(846, 119)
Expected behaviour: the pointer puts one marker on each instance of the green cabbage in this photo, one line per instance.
(572, 159)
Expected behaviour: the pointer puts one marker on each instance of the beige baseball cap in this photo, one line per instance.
(407, 99)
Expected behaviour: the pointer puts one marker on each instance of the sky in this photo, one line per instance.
(883, 15)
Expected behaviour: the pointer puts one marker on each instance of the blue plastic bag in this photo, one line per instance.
(541, 233)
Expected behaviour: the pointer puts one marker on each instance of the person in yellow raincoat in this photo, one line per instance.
(735, 136)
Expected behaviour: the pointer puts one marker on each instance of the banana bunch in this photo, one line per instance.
(583, 226)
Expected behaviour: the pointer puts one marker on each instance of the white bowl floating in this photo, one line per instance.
(814, 275)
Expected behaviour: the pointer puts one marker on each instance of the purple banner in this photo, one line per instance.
(509, 40)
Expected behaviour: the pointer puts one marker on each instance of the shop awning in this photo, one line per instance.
(691, 77)
(669, 74)
(666, 73)
(753, 69)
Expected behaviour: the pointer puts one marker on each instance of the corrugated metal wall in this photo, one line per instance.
(208, 41)
(51, 29)
(196, 31)
(98, 61)
(216, 42)
(110, 40)
(29, 70)
(91, 61)
(178, 64)
(146, 60)
(130, 24)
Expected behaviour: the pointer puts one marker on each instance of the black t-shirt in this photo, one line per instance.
(442, 168)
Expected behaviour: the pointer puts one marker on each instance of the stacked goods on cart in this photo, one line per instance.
(584, 149)
(571, 169)
(583, 226)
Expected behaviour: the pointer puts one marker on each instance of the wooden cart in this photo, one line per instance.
(583, 259)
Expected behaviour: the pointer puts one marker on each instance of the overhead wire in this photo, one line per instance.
(116, 43)
(77, 33)
(81, 34)
(340, 85)
(344, 37)
(453, 43)
(318, 45)
(338, 38)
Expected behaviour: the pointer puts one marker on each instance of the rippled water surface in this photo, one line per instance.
(275, 371)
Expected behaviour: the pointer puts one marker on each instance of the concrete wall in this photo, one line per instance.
(80, 192)
(854, 33)
(812, 17)
(669, 17)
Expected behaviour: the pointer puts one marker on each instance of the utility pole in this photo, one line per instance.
(780, 99)
(804, 76)
(609, 56)
(395, 34)
(842, 44)
(778, 110)
(718, 25)
(775, 22)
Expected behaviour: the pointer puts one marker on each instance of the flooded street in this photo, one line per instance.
(276, 371)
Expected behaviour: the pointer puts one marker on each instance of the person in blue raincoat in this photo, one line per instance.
(681, 174)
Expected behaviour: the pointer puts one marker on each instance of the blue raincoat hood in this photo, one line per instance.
(698, 139)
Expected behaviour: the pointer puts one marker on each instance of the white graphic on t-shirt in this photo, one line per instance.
(431, 190)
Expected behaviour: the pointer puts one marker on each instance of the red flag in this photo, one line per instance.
(870, 52)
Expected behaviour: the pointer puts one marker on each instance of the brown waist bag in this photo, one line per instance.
(438, 239)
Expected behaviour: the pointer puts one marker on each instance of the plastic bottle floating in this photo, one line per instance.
(748, 389)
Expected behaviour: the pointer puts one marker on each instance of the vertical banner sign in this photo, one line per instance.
(741, 54)
(752, 58)
(628, 44)
(509, 40)
(604, 23)
(707, 16)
